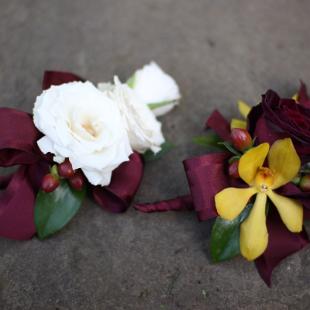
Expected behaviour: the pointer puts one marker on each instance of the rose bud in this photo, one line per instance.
(65, 169)
(77, 181)
(233, 169)
(305, 183)
(241, 139)
(49, 183)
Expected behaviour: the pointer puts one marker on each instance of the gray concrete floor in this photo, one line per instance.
(219, 51)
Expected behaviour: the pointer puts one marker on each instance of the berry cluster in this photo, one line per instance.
(64, 170)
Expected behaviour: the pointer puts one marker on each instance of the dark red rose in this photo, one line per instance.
(276, 118)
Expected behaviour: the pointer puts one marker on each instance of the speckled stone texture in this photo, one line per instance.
(218, 51)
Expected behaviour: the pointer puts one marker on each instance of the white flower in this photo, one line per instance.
(143, 129)
(155, 88)
(81, 123)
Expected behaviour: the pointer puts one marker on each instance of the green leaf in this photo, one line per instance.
(154, 106)
(225, 237)
(210, 141)
(54, 210)
(230, 148)
(165, 148)
(131, 81)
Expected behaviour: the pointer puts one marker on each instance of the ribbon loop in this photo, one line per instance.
(125, 182)
(18, 138)
(17, 206)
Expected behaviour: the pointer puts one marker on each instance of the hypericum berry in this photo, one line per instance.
(233, 169)
(77, 181)
(241, 139)
(65, 169)
(304, 183)
(49, 183)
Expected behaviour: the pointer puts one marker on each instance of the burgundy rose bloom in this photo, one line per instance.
(275, 118)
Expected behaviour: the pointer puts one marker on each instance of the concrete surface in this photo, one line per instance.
(218, 51)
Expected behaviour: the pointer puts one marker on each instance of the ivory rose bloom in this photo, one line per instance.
(155, 88)
(143, 129)
(81, 123)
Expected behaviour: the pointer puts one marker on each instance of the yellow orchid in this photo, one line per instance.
(283, 166)
(244, 110)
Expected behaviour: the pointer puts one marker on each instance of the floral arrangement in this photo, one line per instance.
(80, 138)
(255, 182)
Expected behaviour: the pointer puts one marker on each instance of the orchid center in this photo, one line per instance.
(264, 179)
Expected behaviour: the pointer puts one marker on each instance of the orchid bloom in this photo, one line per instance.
(244, 110)
(283, 166)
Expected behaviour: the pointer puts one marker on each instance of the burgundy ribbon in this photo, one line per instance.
(18, 146)
(207, 176)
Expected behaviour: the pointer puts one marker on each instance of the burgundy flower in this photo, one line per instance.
(275, 118)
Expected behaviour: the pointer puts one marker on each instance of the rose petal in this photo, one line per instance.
(303, 97)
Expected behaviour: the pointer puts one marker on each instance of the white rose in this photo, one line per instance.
(81, 123)
(155, 88)
(143, 129)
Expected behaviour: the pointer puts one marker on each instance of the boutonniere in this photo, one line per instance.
(255, 182)
(80, 138)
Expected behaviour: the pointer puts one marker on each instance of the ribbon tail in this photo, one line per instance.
(125, 182)
(175, 204)
(17, 206)
(282, 243)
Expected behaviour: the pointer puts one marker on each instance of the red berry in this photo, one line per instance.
(305, 183)
(77, 181)
(49, 183)
(233, 169)
(65, 169)
(241, 139)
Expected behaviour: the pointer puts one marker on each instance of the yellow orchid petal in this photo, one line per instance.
(253, 231)
(251, 161)
(237, 123)
(231, 201)
(283, 161)
(295, 97)
(290, 210)
(244, 108)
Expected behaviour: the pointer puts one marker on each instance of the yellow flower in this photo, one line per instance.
(244, 110)
(283, 166)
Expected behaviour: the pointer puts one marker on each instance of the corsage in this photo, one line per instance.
(81, 138)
